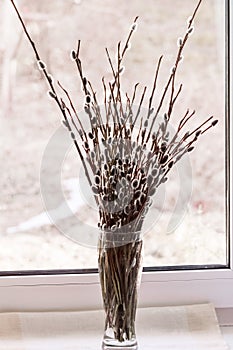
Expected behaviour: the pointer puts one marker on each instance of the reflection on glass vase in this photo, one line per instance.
(120, 266)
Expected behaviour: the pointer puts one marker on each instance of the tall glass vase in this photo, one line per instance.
(120, 266)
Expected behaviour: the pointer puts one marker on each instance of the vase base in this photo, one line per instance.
(113, 347)
(106, 345)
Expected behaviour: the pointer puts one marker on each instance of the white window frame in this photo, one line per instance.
(82, 291)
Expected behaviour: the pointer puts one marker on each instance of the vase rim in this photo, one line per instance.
(118, 238)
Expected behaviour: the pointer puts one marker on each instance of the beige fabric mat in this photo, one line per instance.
(192, 327)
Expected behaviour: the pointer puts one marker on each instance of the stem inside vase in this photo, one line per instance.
(120, 265)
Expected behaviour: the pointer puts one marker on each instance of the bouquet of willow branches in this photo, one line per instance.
(125, 158)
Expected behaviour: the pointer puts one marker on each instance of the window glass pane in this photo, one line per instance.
(187, 221)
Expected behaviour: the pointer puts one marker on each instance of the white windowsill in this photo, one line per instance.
(36, 293)
(228, 335)
(84, 330)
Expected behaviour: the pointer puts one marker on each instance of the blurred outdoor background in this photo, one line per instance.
(28, 119)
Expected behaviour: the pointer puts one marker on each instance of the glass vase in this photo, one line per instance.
(120, 266)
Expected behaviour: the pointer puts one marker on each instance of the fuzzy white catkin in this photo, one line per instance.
(50, 78)
(189, 20)
(41, 65)
(51, 94)
(128, 46)
(179, 42)
(173, 69)
(134, 26)
(181, 58)
(121, 70)
(190, 30)
(73, 55)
